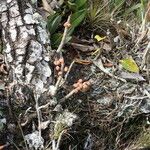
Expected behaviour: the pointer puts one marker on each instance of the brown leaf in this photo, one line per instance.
(108, 65)
(83, 48)
(83, 62)
(107, 47)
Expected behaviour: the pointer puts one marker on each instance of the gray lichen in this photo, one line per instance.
(27, 45)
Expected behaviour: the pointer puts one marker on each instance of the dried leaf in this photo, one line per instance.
(129, 64)
(83, 48)
(83, 62)
(132, 76)
(99, 64)
(107, 47)
(108, 64)
(47, 7)
(44, 125)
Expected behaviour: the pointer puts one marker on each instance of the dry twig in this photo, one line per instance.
(64, 36)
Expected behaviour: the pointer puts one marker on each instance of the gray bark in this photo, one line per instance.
(26, 48)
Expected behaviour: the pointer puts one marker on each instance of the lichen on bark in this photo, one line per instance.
(26, 48)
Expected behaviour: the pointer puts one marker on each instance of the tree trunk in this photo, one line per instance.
(27, 53)
(26, 48)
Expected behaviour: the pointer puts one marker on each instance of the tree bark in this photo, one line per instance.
(26, 48)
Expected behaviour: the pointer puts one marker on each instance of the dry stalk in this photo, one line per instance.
(142, 29)
(59, 139)
(36, 96)
(67, 96)
(68, 71)
(59, 78)
(64, 37)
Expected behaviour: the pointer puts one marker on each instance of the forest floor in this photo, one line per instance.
(113, 111)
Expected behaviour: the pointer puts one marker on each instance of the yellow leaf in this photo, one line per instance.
(98, 38)
(129, 64)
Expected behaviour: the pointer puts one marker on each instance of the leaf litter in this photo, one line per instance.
(115, 110)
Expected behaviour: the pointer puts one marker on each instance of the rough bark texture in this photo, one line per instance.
(26, 47)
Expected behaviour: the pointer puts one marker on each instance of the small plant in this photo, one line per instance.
(101, 14)
(77, 9)
(98, 14)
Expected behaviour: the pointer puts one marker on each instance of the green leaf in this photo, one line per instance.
(72, 6)
(80, 3)
(54, 22)
(132, 9)
(56, 39)
(77, 17)
(129, 64)
(51, 18)
(119, 2)
(70, 31)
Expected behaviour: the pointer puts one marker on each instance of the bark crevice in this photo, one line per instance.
(27, 49)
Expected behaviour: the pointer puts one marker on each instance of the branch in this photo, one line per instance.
(67, 25)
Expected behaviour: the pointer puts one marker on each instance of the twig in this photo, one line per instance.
(67, 96)
(59, 80)
(29, 118)
(68, 71)
(136, 97)
(27, 111)
(44, 106)
(38, 113)
(22, 135)
(64, 36)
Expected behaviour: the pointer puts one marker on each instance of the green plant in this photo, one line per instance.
(77, 9)
(97, 14)
(101, 13)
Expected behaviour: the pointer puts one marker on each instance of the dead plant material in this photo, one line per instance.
(83, 47)
(83, 62)
(47, 7)
(148, 12)
(99, 64)
(1, 59)
(3, 69)
(2, 147)
(108, 64)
